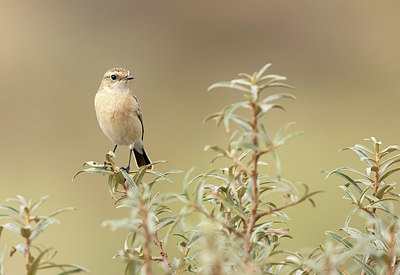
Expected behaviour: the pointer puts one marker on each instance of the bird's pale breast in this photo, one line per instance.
(118, 117)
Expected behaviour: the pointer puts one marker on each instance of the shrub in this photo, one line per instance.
(231, 220)
(242, 209)
(24, 221)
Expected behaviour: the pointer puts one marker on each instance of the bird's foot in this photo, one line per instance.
(126, 169)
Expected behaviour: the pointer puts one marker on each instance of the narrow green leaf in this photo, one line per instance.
(363, 156)
(312, 202)
(173, 172)
(382, 190)
(35, 264)
(277, 96)
(229, 112)
(241, 81)
(363, 194)
(73, 271)
(11, 227)
(59, 211)
(340, 239)
(354, 233)
(265, 136)
(215, 176)
(340, 169)
(38, 203)
(388, 174)
(244, 154)
(348, 192)
(5, 216)
(350, 180)
(246, 76)
(281, 131)
(241, 122)
(230, 204)
(228, 85)
(282, 214)
(364, 148)
(194, 239)
(276, 85)
(110, 184)
(368, 270)
(20, 248)
(262, 70)
(139, 175)
(265, 108)
(186, 183)
(160, 175)
(290, 136)
(389, 150)
(41, 226)
(277, 164)
(215, 148)
(387, 164)
(93, 170)
(21, 199)
(390, 159)
(215, 116)
(346, 223)
(199, 193)
(164, 222)
(93, 164)
(10, 209)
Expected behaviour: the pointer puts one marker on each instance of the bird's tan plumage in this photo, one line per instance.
(119, 114)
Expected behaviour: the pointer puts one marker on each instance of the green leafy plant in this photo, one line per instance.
(372, 248)
(243, 206)
(232, 219)
(238, 210)
(24, 221)
(147, 218)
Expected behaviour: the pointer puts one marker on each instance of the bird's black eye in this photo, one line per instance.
(113, 77)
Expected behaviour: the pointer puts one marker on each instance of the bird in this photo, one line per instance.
(119, 115)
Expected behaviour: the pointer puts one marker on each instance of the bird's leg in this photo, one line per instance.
(129, 163)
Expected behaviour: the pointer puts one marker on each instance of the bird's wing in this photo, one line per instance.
(139, 113)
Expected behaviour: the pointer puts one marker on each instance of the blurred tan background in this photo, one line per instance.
(343, 57)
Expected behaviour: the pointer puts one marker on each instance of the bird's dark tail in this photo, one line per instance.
(141, 158)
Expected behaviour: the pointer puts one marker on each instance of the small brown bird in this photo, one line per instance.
(119, 116)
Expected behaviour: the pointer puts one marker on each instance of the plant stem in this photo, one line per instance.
(376, 178)
(146, 239)
(374, 191)
(28, 244)
(253, 178)
(389, 269)
(162, 253)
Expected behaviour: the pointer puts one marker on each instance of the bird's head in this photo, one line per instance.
(116, 78)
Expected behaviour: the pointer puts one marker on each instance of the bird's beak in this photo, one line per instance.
(129, 77)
